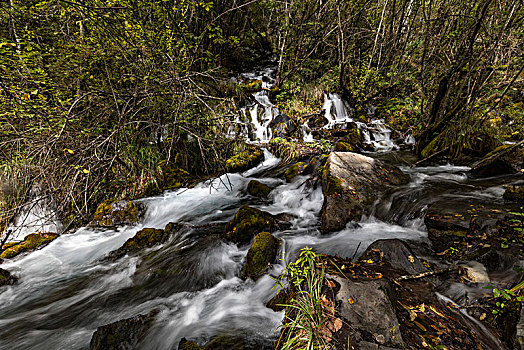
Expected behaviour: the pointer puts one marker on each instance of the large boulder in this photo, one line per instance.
(261, 254)
(248, 222)
(31, 242)
(112, 213)
(6, 279)
(351, 183)
(122, 335)
(506, 159)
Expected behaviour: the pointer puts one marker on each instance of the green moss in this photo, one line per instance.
(253, 85)
(247, 223)
(244, 160)
(295, 170)
(6, 278)
(114, 212)
(263, 252)
(31, 242)
(146, 237)
(225, 342)
(514, 193)
(189, 345)
(344, 147)
(258, 189)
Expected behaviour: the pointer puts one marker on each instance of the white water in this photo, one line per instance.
(34, 217)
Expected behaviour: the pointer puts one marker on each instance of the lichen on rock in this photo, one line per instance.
(31, 242)
(263, 252)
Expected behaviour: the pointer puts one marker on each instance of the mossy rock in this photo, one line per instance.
(263, 252)
(123, 334)
(253, 85)
(225, 342)
(185, 344)
(31, 242)
(344, 147)
(244, 160)
(6, 279)
(300, 168)
(145, 238)
(514, 193)
(247, 223)
(112, 213)
(258, 189)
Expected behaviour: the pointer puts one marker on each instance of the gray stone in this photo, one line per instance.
(351, 183)
(366, 306)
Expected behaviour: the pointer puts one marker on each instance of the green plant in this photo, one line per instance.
(519, 220)
(305, 324)
(505, 296)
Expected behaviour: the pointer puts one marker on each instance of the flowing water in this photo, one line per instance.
(68, 288)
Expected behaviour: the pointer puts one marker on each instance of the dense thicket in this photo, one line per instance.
(97, 96)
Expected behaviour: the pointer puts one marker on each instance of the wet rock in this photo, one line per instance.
(300, 168)
(145, 238)
(261, 254)
(367, 308)
(458, 219)
(350, 135)
(244, 160)
(248, 222)
(112, 213)
(351, 183)
(6, 279)
(475, 272)
(226, 342)
(514, 193)
(506, 159)
(258, 189)
(31, 242)
(397, 253)
(496, 260)
(122, 335)
(278, 301)
(283, 126)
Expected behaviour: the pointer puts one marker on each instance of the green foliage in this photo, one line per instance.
(304, 320)
(505, 296)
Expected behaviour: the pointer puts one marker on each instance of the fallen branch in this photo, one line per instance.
(426, 274)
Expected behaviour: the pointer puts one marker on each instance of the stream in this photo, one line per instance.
(67, 289)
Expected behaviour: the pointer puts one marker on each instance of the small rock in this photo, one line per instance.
(262, 253)
(258, 189)
(475, 272)
(185, 344)
(366, 306)
(6, 279)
